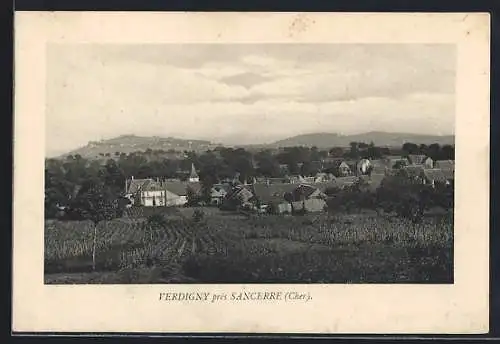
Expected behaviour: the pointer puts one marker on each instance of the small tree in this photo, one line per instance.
(198, 215)
(95, 202)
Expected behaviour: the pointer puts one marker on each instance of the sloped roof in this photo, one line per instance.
(136, 185)
(177, 187)
(413, 171)
(272, 192)
(224, 186)
(239, 188)
(194, 187)
(305, 190)
(449, 173)
(435, 174)
(152, 186)
(445, 164)
(417, 159)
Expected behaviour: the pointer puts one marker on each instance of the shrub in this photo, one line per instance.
(198, 215)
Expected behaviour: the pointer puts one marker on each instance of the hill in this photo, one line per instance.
(328, 140)
(133, 143)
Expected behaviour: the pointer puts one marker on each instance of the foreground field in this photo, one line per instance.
(229, 248)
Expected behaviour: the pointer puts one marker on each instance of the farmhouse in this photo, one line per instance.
(435, 176)
(396, 162)
(337, 166)
(274, 196)
(218, 193)
(420, 159)
(145, 192)
(362, 167)
(176, 193)
(312, 205)
(238, 195)
(304, 192)
(445, 164)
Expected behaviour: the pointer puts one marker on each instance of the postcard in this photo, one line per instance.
(251, 173)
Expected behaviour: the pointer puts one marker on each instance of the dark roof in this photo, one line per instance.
(435, 174)
(237, 188)
(445, 164)
(152, 186)
(194, 187)
(136, 185)
(177, 187)
(304, 190)
(272, 192)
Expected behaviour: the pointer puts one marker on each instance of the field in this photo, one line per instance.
(232, 248)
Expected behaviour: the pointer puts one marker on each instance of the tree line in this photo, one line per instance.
(66, 178)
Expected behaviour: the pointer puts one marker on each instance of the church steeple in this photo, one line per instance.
(193, 177)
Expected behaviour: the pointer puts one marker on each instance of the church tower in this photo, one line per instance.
(193, 177)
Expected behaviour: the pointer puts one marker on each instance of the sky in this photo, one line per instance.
(245, 93)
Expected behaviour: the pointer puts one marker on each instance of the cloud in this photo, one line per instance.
(247, 80)
(245, 92)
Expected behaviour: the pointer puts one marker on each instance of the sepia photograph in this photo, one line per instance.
(249, 163)
(258, 173)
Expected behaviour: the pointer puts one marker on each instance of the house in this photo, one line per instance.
(176, 193)
(218, 193)
(434, 176)
(239, 195)
(312, 205)
(338, 167)
(294, 179)
(445, 164)
(396, 162)
(276, 197)
(146, 192)
(362, 167)
(305, 191)
(323, 177)
(447, 167)
(420, 159)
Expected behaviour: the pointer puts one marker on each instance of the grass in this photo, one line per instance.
(358, 248)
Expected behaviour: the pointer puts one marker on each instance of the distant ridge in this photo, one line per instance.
(379, 138)
(133, 143)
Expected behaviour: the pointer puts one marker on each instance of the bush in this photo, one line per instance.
(198, 215)
(156, 220)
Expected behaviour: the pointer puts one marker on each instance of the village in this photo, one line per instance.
(288, 194)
